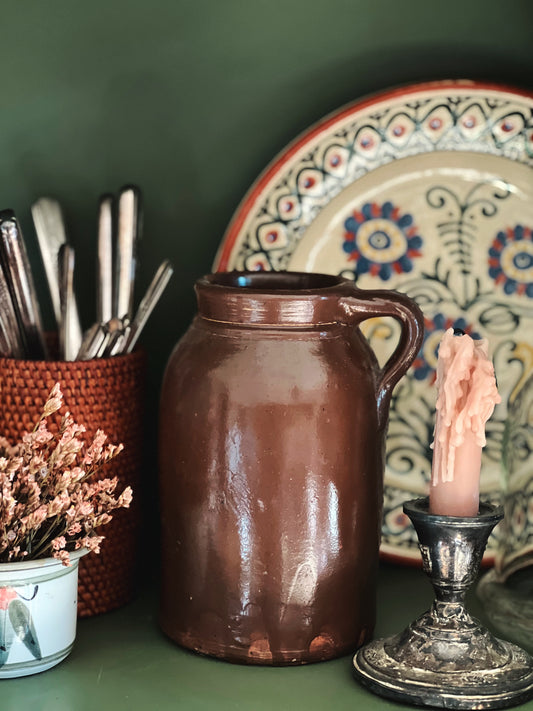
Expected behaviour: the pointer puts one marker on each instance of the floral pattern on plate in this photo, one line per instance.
(381, 241)
(516, 549)
(428, 190)
(511, 260)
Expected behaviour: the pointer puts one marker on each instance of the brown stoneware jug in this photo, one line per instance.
(272, 433)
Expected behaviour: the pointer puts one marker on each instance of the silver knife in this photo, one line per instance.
(87, 344)
(12, 345)
(120, 343)
(104, 282)
(150, 299)
(5, 344)
(106, 336)
(21, 287)
(128, 233)
(116, 338)
(50, 230)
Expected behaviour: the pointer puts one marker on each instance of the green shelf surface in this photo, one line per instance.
(122, 662)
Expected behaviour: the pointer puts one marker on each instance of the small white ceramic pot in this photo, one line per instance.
(38, 606)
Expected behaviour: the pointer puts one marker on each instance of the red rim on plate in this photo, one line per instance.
(453, 145)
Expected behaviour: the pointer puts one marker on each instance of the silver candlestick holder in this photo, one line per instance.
(446, 658)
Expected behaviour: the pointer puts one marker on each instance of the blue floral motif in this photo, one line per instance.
(425, 363)
(511, 260)
(16, 621)
(381, 241)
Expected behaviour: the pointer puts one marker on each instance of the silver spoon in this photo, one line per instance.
(51, 235)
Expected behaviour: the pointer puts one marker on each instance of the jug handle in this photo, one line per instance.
(361, 304)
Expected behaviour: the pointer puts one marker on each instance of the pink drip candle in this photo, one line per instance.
(466, 397)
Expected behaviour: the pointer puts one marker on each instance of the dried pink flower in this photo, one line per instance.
(48, 503)
(59, 543)
(54, 401)
(38, 437)
(63, 556)
(92, 543)
(126, 497)
(35, 518)
(59, 504)
(94, 451)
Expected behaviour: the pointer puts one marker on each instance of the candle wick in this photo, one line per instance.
(458, 332)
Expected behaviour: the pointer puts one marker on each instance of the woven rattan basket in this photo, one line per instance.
(105, 393)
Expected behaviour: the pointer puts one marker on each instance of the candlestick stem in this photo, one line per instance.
(446, 658)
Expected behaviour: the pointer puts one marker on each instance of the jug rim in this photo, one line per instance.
(283, 283)
(271, 299)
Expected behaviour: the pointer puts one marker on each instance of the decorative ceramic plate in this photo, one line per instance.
(426, 189)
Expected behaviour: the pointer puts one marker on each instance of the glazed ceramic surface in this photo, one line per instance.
(428, 190)
(516, 545)
(38, 606)
(507, 590)
(272, 421)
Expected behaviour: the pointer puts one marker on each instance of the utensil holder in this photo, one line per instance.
(107, 394)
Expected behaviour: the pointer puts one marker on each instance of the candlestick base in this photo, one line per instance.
(446, 658)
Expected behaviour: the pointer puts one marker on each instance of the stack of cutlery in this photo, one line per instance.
(118, 326)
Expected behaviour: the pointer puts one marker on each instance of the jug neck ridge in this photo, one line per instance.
(296, 299)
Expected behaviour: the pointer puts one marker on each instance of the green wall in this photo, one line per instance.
(190, 99)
